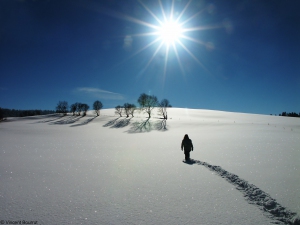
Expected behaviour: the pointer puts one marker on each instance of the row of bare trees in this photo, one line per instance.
(77, 108)
(147, 103)
(127, 108)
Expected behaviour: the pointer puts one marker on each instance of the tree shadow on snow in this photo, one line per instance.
(111, 122)
(118, 122)
(84, 122)
(57, 117)
(161, 125)
(121, 123)
(67, 120)
(143, 126)
(46, 118)
(148, 125)
(254, 195)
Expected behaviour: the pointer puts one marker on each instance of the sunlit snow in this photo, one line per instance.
(111, 170)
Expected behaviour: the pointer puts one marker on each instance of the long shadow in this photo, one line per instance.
(36, 117)
(111, 122)
(84, 122)
(67, 120)
(122, 123)
(148, 125)
(118, 123)
(254, 195)
(143, 126)
(161, 125)
(51, 120)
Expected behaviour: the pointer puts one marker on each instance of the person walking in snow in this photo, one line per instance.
(187, 145)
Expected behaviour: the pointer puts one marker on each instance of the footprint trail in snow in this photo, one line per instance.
(255, 196)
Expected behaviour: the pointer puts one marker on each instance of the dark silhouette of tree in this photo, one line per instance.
(22, 113)
(126, 109)
(35, 112)
(292, 114)
(129, 109)
(97, 106)
(62, 107)
(143, 99)
(119, 110)
(73, 108)
(147, 103)
(132, 108)
(85, 108)
(1, 114)
(163, 105)
(79, 108)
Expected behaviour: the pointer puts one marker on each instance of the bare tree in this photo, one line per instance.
(73, 108)
(119, 110)
(163, 105)
(126, 109)
(97, 106)
(85, 108)
(143, 99)
(78, 108)
(129, 109)
(147, 103)
(132, 108)
(62, 107)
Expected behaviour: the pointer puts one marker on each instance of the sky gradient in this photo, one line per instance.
(240, 56)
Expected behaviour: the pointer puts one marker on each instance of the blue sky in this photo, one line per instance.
(240, 56)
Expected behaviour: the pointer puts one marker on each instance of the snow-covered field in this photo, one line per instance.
(111, 170)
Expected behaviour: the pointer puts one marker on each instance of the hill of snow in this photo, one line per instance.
(117, 170)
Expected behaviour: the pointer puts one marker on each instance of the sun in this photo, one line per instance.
(170, 32)
(173, 29)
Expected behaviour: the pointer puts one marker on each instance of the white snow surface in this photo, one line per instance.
(111, 170)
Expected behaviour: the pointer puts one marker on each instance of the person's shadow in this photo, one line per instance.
(190, 161)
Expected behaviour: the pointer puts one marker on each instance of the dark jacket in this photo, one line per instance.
(187, 145)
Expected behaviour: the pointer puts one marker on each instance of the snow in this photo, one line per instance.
(110, 170)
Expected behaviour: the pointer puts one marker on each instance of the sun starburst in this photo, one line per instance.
(171, 31)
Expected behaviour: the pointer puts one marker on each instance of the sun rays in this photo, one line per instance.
(169, 31)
